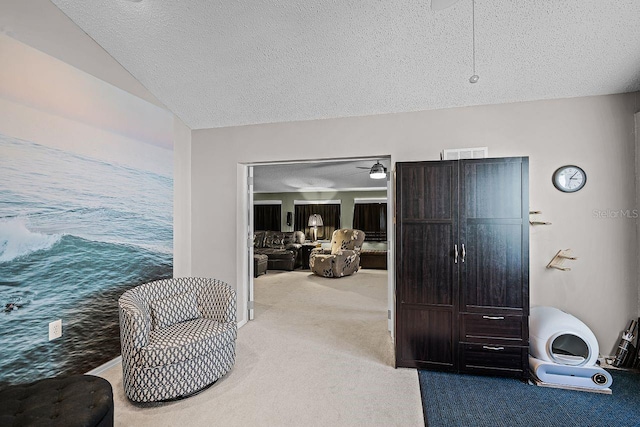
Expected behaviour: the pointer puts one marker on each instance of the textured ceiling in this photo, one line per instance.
(221, 63)
(318, 176)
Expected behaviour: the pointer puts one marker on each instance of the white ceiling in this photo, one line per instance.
(318, 176)
(218, 63)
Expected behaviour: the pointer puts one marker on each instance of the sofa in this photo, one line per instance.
(281, 247)
(177, 335)
(343, 259)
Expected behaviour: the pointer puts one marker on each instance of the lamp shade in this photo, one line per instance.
(315, 220)
(378, 171)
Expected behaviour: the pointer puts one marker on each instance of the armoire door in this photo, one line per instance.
(426, 273)
(494, 211)
(494, 272)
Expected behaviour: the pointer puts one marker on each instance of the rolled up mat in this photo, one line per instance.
(592, 377)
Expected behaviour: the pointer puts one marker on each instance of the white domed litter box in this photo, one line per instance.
(563, 351)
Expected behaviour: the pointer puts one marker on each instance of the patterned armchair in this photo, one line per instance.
(342, 259)
(177, 336)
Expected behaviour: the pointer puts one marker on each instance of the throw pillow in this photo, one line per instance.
(258, 239)
(278, 240)
(268, 240)
(178, 308)
(287, 239)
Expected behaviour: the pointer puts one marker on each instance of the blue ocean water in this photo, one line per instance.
(75, 233)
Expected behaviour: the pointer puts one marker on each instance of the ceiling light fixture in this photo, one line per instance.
(378, 171)
(475, 77)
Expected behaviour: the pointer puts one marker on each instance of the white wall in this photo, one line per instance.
(181, 200)
(40, 24)
(596, 133)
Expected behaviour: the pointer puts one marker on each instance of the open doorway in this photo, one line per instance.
(288, 194)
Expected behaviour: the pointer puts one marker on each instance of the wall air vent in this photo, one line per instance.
(464, 153)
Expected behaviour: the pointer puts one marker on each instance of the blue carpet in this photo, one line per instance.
(468, 400)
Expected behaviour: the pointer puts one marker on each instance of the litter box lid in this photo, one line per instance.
(556, 336)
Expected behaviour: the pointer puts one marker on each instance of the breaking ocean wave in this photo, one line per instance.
(75, 233)
(17, 241)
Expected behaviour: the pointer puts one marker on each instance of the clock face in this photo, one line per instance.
(569, 178)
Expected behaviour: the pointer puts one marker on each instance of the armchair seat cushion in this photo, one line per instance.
(185, 341)
(336, 265)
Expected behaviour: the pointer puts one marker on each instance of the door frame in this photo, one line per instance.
(244, 230)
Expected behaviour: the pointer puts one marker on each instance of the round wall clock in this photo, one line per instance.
(569, 178)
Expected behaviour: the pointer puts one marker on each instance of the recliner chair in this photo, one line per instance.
(343, 259)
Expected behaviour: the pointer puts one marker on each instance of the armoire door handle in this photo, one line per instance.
(455, 250)
(464, 253)
(487, 347)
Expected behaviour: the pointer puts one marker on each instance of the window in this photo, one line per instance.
(372, 219)
(330, 213)
(267, 217)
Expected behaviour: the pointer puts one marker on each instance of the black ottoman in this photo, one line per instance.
(373, 258)
(260, 264)
(79, 400)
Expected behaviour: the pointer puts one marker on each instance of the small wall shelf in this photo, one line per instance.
(536, 222)
(558, 260)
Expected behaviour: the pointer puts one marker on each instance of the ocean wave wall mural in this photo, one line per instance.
(86, 211)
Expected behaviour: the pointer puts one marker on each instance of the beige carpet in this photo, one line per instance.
(317, 354)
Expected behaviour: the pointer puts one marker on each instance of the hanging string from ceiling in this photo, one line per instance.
(474, 78)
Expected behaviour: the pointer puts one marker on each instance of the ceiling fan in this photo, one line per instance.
(377, 171)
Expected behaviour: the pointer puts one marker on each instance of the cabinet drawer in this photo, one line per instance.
(476, 327)
(494, 359)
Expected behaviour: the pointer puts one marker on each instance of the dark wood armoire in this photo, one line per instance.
(462, 265)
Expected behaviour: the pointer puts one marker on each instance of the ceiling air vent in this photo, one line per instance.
(464, 153)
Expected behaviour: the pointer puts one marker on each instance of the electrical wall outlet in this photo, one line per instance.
(55, 329)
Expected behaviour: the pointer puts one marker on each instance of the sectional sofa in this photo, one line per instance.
(281, 247)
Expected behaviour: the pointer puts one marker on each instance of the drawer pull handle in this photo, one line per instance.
(486, 347)
(493, 317)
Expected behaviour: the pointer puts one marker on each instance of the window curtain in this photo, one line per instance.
(372, 219)
(267, 217)
(330, 218)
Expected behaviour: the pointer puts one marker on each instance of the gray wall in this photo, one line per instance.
(596, 133)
